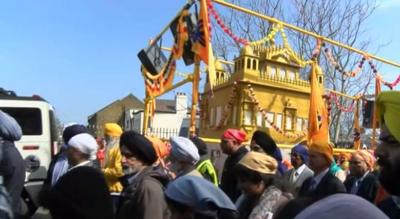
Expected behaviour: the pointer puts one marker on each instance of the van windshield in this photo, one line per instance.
(30, 119)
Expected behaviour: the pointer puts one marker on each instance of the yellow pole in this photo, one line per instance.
(146, 114)
(342, 94)
(195, 97)
(324, 39)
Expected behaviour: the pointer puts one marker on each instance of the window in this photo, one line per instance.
(272, 71)
(254, 64)
(282, 73)
(299, 123)
(270, 118)
(291, 75)
(218, 116)
(288, 122)
(259, 119)
(30, 119)
(248, 117)
(278, 120)
(305, 124)
(248, 64)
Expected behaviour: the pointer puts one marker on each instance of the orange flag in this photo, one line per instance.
(202, 44)
(318, 126)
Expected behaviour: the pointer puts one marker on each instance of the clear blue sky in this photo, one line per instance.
(81, 55)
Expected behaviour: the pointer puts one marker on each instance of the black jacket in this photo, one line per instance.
(389, 208)
(368, 187)
(12, 168)
(328, 185)
(82, 192)
(228, 178)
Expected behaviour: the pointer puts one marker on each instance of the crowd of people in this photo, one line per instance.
(125, 175)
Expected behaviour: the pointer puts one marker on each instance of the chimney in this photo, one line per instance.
(181, 103)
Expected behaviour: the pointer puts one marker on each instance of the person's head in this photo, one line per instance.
(71, 130)
(388, 149)
(184, 154)
(263, 143)
(361, 162)
(137, 152)
(320, 156)
(162, 149)
(9, 128)
(191, 197)
(255, 172)
(343, 161)
(231, 140)
(341, 206)
(81, 147)
(201, 145)
(299, 155)
(112, 132)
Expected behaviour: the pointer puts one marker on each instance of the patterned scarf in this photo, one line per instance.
(266, 204)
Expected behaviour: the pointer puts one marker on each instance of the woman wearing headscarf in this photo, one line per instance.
(263, 190)
(12, 166)
(362, 181)
(262, 142)
(191, 197)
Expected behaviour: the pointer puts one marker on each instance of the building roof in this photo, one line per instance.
(133, 98)
(165, 106)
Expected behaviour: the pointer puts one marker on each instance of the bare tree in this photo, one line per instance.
(343, 21)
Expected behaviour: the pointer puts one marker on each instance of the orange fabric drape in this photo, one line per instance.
(318, 114)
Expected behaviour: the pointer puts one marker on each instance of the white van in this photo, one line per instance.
(39, 140)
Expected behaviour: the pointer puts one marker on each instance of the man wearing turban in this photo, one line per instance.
(300, 171)
(82, 191)
(362, 181)
(231, 144)
(388, 150)
(184, 156)
(323, 183)
(12, 166)
(142, 196)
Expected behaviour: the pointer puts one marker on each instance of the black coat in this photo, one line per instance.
(368, 187)
(144, 196)
(328, 185)
(389, 208)
(12, 168)
(82, 192)
(228, 178)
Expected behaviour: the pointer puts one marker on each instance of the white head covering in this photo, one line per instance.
(344, 206)
(183, 149)
(85, 143)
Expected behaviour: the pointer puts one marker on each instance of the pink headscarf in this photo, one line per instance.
(235, 134)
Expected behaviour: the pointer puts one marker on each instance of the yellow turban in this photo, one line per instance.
(388, 108)
(259, 162)
(324, 148)
(112, 129)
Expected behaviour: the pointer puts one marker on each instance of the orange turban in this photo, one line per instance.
(235, 134)
(323, 147)
(367, 157)
(160, 147)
